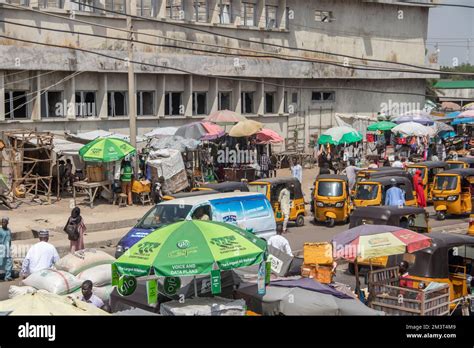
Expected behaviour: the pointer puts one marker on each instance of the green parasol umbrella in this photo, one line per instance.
(381, 126)
(106, 150)
(340, 135)
(189, 248)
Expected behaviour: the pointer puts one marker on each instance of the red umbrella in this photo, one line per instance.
(213, 131)
(268, 136)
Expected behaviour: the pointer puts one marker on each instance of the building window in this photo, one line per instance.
(145, 103)
(294, 98)
(323, 16)
(271, 17)
(200, 11)
(117, 103)
(52, 104)
(287, 18)
(50, 3)
(269, 103)
(224, 100)
(320, 96)
(248, 14)
(16, 106)
(174, 104)
(115, 5)
(146, 8)
(85, 104)
(247, 102)
(199, 103)
(19, 2)
(85, 5)
(174, 9)
(225, 11)
(285, 102)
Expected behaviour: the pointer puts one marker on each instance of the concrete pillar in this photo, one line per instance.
(260, 14)
(161, 9)
(133, 4)
(35, 96)
(236, 9)
(161, 95)
(281, 14)
(280, 97)
(188, 10)
(260, 98)
(212, 102)
(70, 98)
(213, 11)
(188, 95)
(102, 96)
(236, 97)
(2, 96)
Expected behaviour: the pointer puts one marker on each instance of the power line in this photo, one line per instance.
(218, 76)
(442, 4)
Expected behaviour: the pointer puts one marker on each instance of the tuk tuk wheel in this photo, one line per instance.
(440, 215)
(300, 221)
(330, 222)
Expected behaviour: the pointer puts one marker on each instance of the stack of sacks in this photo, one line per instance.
(70, 272)
(93, 265)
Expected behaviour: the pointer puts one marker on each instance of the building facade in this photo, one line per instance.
(291, 64)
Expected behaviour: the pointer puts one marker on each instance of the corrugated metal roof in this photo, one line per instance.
(461, 84)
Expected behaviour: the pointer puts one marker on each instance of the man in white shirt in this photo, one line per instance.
(41, 256)
(297, 172)
(88, 296)
(397, 163)
(279, 242)
(285, 205)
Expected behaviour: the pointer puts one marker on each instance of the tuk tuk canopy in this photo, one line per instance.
(382, 215)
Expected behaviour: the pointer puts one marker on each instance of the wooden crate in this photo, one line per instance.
(95, 173)
(318, 253)
(322, 274)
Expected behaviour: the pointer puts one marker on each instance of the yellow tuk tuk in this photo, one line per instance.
(452, 192)
(271, 188)
(461, 163)
(331, 201)
(372, 192)
(428, 171)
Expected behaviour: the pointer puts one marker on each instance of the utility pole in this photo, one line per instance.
(468, 51)
(132, 97)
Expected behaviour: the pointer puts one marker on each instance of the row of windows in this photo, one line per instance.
(54, 105)
(201, 11)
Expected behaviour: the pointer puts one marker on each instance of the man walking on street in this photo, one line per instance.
(281, 243)
(41, 256)
(351, 173)
(297, 172)
(284, 200)
(5, 249)
(264, 165)
(126, 175)
(395, 195)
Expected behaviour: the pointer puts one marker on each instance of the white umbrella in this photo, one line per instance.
(161, 131)
(336, 135)
(411, 129)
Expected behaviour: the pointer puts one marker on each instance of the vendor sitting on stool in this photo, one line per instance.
(126, 174)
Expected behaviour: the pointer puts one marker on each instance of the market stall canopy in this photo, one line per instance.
(62, 147)
(161, 131)
(421, 118)
(189, 248)
(469, 106)
(245, 128)
(194, 130)
(452, 114)
(464, 120)
(268, 136)
(174, 142)
(450, 106)
(224, 117)
(442, 127)
(106, 150)
(213, 131)
(340, 135)
(99, 133)
(411, 129)
(466, 114)
(369, 241)
(381, 126)
(45, 303)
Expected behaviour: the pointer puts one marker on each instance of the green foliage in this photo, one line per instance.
(463, 68)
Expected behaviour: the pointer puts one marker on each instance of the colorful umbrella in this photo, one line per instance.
(450, 106)
(245, 128)
(189, 248)
(224, 117)
(469, 106)
(381, 126)
(452, 114)
(340, 135)
(268, 136)
(106, 150)
(194, 130)
(418, 118)
(464, 120)
(466, 113)
(213, 131)
(411, 129)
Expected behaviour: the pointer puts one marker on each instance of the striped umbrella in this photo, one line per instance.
(106, 150)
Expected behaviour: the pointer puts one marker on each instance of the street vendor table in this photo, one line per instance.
(91, 189)
(236, 174)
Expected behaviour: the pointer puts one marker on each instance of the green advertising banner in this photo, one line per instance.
(216, 282)
(115, 275)
(268, 272)
(152, 291)
(126, 285)
(171, 285)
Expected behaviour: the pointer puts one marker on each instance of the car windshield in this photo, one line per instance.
(446, 182)
(366, 191)
(330, 188)
(164, 214)
(258, 188)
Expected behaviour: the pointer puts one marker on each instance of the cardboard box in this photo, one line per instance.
(318, 253)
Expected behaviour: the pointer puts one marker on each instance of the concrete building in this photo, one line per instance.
(460, 92)
(193, 63)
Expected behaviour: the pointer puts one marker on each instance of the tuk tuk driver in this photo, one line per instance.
(395, 195)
